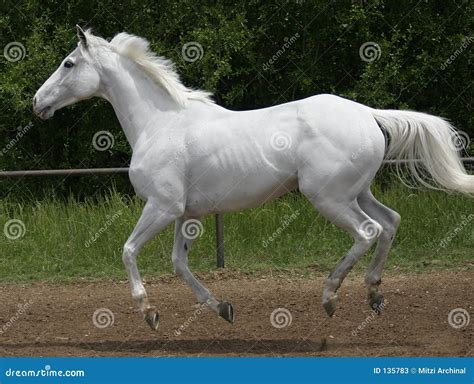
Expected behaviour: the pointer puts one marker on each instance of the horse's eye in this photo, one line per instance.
(68, 64)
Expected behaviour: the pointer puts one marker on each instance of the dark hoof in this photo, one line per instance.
(376, 302)
(226, 311)
(153, 319)
(330, 306)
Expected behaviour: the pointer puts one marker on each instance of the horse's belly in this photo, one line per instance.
(226, 194)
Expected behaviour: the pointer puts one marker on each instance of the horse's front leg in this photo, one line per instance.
(183, 239)
(153, 219)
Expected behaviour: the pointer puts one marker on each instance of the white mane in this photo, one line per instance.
(160, 69)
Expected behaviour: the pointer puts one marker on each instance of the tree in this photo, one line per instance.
(254, 54)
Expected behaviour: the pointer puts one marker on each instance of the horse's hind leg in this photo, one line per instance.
(182, 245)
(390, 221)
(364, 230)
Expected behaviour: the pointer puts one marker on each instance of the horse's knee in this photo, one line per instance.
(396, 219)
(128, 255)
(390, 226)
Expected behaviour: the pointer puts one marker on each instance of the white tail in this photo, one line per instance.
(433, 142)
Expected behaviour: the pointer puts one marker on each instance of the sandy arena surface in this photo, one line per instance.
(44, 319)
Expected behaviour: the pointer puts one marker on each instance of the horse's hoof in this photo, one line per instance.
(226, 311)
(330, 306)
(376, 302)
(152, 318)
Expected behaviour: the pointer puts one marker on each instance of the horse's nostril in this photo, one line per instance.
(34, 101)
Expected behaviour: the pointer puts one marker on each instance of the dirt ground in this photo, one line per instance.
(43, 319)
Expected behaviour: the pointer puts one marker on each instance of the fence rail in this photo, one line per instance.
(219, 218)
(111, 171)
(64, 172)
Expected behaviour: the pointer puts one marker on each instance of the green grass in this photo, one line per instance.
(54, 244)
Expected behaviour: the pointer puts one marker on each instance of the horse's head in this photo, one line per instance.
(77, 78)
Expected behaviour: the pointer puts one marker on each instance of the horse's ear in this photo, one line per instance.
(82, 36)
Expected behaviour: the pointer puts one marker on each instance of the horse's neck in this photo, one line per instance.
(139, 103)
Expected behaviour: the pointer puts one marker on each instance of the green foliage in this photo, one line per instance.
(239, 39)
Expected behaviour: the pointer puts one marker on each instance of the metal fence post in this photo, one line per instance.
(220, 240)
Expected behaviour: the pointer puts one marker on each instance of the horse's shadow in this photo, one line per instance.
(206, 347)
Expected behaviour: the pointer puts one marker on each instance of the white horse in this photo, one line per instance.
(192, 157)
